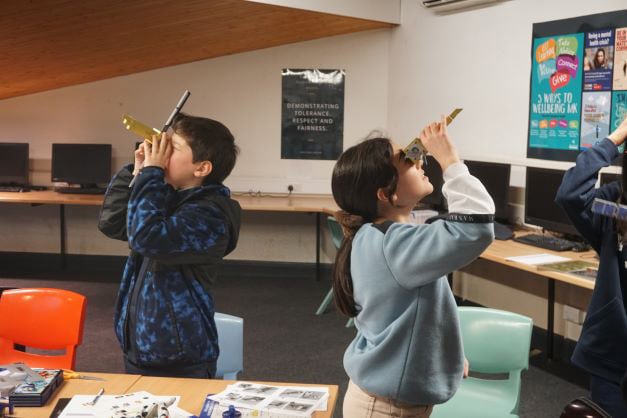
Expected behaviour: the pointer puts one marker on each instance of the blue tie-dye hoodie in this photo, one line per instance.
(164, 311)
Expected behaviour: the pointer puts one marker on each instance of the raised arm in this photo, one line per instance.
(577, 192)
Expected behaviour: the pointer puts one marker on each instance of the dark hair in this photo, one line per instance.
(210, 141)
(596, 62)
(359, 173)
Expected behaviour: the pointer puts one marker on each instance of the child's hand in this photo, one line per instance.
(140, 156)
(466, 367)
(435, 139)
(158, 154)
(620, 133)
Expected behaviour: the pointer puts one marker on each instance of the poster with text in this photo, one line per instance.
(619, 108)
(555, 109)
(598, 60)
(595, 117)
(312, 114)
(620, 60)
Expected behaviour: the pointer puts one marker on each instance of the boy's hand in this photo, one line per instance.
(466, 367)
(435, 139)
(140, 156)
(620, 133)
(158, 154)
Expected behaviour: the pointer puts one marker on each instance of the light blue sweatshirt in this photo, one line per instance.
(408, 346)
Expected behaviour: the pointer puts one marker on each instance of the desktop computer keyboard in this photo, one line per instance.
(81, 190)
(548, 242)
(13, 189)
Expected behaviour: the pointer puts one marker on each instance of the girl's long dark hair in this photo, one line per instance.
(359, 173)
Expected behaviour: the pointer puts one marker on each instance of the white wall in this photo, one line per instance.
(479, 60)
(243, 91)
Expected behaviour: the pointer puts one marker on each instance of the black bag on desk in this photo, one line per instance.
(584, 408)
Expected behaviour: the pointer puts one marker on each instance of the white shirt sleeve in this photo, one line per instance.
(465, 193)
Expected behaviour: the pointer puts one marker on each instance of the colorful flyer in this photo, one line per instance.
(620, 60)
(595, 117)
(598, 60)
(555, 109)
(619, 108)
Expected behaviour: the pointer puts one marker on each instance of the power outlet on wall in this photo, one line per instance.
(573, 315)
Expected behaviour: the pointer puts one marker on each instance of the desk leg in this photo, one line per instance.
(318, 246)
(550, 332)
(62, 236)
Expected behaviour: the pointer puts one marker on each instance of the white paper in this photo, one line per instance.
(117, 406)
(536, 259)
(280, 400)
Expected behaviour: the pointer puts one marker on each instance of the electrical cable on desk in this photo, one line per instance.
(258, 193)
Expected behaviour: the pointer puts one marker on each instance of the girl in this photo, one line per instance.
(602, 346)
(391, 274)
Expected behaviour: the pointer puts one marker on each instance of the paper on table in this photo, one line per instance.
(535, 259)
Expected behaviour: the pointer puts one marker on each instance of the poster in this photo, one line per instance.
(619, 108)
(595, 117)
(555, 110)
(598, 60)
(620, 60)
(312, 114)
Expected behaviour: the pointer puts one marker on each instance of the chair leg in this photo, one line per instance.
(325, 303)
(350, 323)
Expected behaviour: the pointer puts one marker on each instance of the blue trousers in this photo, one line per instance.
(608, 396)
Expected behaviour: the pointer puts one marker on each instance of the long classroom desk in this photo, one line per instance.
(192, 391)
(499, 251)
(317, 204)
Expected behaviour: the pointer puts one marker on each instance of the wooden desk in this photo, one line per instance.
(114, 383)
(316, 204)
(194, 391)
(497, 253)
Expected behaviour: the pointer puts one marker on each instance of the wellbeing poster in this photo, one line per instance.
(620, 60)
(556, 86)
(595, 117)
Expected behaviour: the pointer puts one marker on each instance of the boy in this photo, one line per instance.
(180, 222)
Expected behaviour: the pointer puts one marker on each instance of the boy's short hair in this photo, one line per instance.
(211, 141)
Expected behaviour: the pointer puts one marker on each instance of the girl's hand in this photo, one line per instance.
(620, 133)
(466, 367)
(140, 156)
(435, 139)
(158, 154)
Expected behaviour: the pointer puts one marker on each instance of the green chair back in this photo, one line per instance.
(495, 342)
(336, 231)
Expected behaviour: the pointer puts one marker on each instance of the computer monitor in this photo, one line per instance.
(540, 208)
(606, 178)
(495, 178)
(14, 164)
(433, 170)
(84, 164)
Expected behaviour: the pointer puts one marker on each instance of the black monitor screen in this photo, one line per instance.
(540, 208)
(606, 178)
(495, 178)
(81, 163)
(433, 170)
(14, 163)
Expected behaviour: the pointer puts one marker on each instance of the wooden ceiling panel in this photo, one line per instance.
(47, 44)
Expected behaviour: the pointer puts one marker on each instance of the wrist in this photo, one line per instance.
(616, 138)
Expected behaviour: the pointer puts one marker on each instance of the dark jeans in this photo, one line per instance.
(608, 396)
(200, 371)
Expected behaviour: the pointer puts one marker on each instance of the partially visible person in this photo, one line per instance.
(602, 346)
(390, 274)
(600, 62)
(180, 222)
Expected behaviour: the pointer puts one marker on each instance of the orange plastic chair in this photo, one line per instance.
(45, 319)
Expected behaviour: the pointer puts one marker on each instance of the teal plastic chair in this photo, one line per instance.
(495, 342)
(231, 342)
(337, 235)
